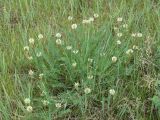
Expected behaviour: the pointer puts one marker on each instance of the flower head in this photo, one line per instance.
(115, 28)
(139, 34)
(112, 92)
(45, 102)
(118, 42)
(31, 41)
(41, 76)
(76, 85)
(96, 15)
(125, 25)
(90, 77)
(39, 54)
(58, 35)
(129, 51)
(87, 90)
(30, 72)
(69, 47)
(43, 93)
(91, 19)
(90, 60)
(119, 34)
(26, 48)
(133, 34)
(74, 64)
(59, 42)
(114, 59)
(102, 54)
(27, 101)
(70, 18)
(85, 21)
(30, 58)
(119, 19)
(29, 108)
(75, 51)
(58, 105)
(135, 47)
(40, 36)
(74, 26)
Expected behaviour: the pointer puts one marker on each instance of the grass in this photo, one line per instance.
(76, 77)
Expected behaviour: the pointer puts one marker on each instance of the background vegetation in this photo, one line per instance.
(75, 77)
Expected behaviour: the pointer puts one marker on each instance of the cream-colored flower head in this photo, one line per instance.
(91, 19)
(41, 76)
(26, 48)
(118, 42)
(90, 60)
(39, 54)
(116, 29)
(119, 19)
(40, 36)
(96, 15)
(58, 35)
(74, 64)
(59, 42)
(75, 51)
(30, 58)
(31, 72)
(45, 102)
(133, 34)
(129, 51)
(74, 26)
(114, 59)
(102, 54)
(70, 18)
(112, 92)
(58, 105)
(76, 85)
(139, 35)
(27, 101)
(87, 90)
(31, 40)
(135, 47)
(119, 34)
(68, 47)
(85, 21)
(125, 25)
(90, 77)
(29, 108)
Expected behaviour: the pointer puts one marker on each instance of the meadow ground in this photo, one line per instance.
(79, 59)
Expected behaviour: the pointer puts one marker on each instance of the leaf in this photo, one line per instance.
(129, 70)
(63, 113)
(156, 101)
